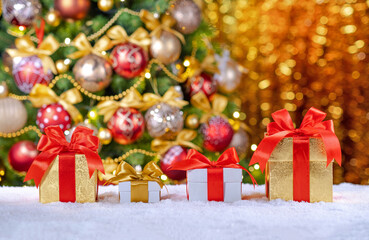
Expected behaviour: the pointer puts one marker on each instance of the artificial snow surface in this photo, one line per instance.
(23, 217)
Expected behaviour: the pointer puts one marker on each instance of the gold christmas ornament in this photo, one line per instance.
(165, 45)
(104, 136)
(165, 48)
(192, 121)
(61, 67)
(3, 90)
(187, 14)
(13, 115)
(105, 5)
(53, 18)
(93, 72)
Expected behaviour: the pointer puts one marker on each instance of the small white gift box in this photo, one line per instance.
(197, 184)
(139, 191)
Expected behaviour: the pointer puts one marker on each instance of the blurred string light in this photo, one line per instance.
(92, 115)
(253, 147)
(301, 54)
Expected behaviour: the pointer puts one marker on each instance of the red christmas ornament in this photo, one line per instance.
(126, 125)
(27, 71)
(129, 60)
(204, 83)
(217, 134)
(21, 155)
(53, 114)
(174, 154)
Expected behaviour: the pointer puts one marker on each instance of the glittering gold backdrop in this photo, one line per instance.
(300, 54)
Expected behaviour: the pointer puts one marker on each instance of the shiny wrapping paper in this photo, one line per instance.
(279, 172)
(86, 187)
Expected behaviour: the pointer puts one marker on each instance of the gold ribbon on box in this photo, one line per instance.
(170, 97)
(157, 26)
(140, 37)
(196, 67)
(41, 94)
(25, 48)
(108, 108)
(139, 180)
(217, 106)
(184, 139)
(84, 46)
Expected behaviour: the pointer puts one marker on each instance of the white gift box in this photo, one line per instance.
(197, 184)
(125, 192)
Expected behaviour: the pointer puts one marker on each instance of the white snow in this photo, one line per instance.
(23, 217)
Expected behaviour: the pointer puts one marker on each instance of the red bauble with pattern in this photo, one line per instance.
(22, 154)
(174, 154)
(203, 82)
(217, 134)
(27, 71)
(53, 114)
(129, 60)
(127, 125)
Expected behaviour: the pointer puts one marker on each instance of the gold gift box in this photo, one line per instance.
(86, 187)
(279, 172)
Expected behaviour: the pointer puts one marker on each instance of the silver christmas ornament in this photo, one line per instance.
(229, 77)
(187, 14)
(20, 12)
(164, 121)
(13, 115)
(240, 142)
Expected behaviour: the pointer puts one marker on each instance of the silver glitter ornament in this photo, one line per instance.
(20, 12)
(164, 121)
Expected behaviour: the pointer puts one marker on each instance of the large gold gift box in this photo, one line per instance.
(86, 187)
(279, 172)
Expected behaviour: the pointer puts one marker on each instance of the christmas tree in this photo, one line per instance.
(145, 76)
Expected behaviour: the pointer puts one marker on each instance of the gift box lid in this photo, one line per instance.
(200, 175)
(284, 150)
(126, 186)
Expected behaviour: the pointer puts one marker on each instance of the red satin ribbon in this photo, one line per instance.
(312, 126)
(195, 160)
(54, 143)
(67, 180)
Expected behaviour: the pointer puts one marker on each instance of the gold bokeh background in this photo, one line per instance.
(301, 54)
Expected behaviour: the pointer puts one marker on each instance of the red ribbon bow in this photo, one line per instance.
(312, 126)
(195, 160)
(54, 143)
